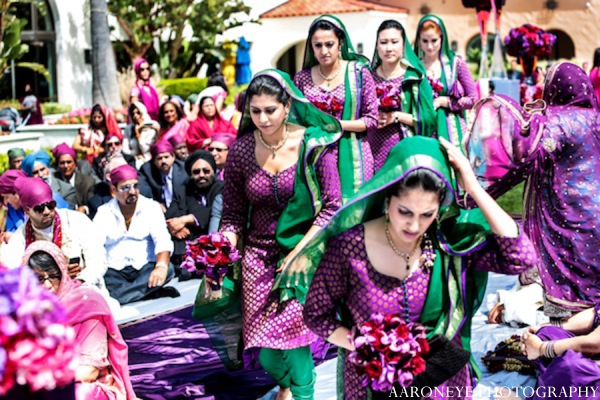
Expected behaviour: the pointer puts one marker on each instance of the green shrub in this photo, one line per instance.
(4, 158)
(512, 201)
(182, 87)
(55, 108)
(14, 103)
(233, 91)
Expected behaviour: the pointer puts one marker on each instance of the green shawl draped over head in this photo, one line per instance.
(350, 151)
(321, 130)
(417, 96)
(454, 292)
(448, 123)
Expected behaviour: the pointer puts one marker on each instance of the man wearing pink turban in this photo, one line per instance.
(66, 162)
(15, 216)
(137, 244)
(163, 173)
(70, 230)
(143, 91)
(179, 147)
(219, 147)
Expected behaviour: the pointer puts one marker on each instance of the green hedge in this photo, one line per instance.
(183, 87)
(512, 201)
(55, 108)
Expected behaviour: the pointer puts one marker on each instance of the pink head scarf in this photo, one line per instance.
(7, 180)
(148, 95)
(123, 173)
(83, 303)
(63, 149)
(162, 146)
(32, 192)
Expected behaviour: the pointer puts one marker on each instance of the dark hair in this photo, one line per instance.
(326, 26)
(390, 24)
(132, 107)
(239, 100)
(597, 57)
(265, 84)
(42, 261)
(217, 79)
(422, 178)
(161, 117)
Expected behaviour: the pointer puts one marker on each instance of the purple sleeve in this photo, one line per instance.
(235, 201)
(329, 182)
(465, 78)
(328, 287)
(368, 107)
(299, 80)
(504, 255)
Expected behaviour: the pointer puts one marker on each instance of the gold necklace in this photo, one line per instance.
(402, 254)
(388, 77)
(328, 80)
(276, 147)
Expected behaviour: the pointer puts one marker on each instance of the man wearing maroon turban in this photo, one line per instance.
(70, 230)
(179, 147)
(163, 173)
(15, 216)
(137, 244)
(66, 161)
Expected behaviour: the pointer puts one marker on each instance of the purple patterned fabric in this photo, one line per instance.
(382, 140)
(345, 272)
(571, 373)
(561, 205)
(367, 113)
(464, 91)
(248, 187)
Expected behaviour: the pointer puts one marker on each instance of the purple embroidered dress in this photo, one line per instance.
(254, 199)
(345, 272)
(382, 140)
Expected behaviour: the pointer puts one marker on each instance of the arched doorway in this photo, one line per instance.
(39, 34)
(564, 48)
(291, 59)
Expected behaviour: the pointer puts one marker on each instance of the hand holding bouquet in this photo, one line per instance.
(210, 256)
(327, 102)
(388, 351)
(388, 97)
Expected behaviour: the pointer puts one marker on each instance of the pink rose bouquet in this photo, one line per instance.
(388, 97)
(327, 102)
(38, 346)
(210, 256)
(436, 86)
(529, 41)
(388, 351)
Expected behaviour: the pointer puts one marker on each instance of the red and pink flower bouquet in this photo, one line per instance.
(388, 351)
(529, 41)
(388, 97)
(210, 256)
(327, 102)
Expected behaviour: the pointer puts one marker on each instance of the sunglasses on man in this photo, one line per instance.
(217, 149)
(50, 205)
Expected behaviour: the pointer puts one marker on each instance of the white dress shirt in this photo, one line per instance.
(147, 235)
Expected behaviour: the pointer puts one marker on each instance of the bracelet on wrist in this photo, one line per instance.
(161, 264)
(396, 114)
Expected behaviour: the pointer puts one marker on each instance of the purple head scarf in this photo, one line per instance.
(162, 146)
(63, 149)
(123, 173)
(7, 180)
(32, 192)
(567, 85)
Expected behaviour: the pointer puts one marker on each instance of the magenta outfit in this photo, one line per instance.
(382, 140)
(345, 273)
(145, 92)
(367, 108)
(260, 196)
(595, 77)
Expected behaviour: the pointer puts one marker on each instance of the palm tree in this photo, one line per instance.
(105, 89)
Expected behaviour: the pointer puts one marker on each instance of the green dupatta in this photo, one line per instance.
(350, 150)
(454, 292)
(417, 96)
(321, 130)
(448, 123)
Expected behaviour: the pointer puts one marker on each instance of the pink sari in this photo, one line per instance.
(96, 333)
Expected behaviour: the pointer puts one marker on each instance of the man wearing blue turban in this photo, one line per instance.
(37, 165)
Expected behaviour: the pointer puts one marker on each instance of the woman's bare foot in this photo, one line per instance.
(504, 393)
(284, 394)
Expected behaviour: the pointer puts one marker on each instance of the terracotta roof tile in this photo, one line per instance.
(297, 8)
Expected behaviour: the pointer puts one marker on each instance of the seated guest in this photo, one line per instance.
(179, 147)
(102, 364)
(102, 191)
(89, 141)
(15, 157)
(219, 147)
(66, 161)
(197, 207)
(136, 241)
(15, 217)
(70, 230)
(208, 123)
(37, 165)
(163, 173)
(112, 145)
(172, 119)
(141, 133)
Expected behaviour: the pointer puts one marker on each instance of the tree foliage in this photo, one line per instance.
(11, 48)
(184, 30)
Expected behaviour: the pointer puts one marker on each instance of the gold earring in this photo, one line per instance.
(387, 212)
(287, 115)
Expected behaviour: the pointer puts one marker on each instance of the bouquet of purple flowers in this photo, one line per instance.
(38, 346)
(529, 41)
(388, 351)
(210, 256)
(388, 97)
